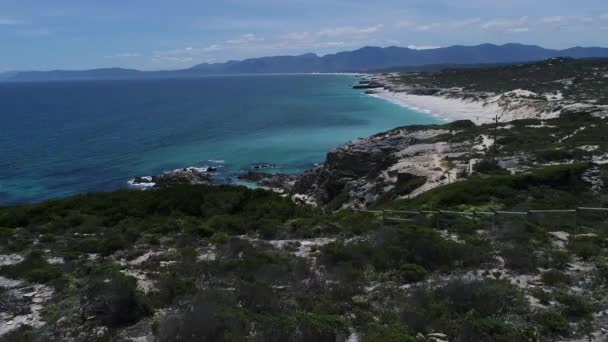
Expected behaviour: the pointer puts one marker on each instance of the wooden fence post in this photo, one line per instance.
(575, 222)
(437, 219)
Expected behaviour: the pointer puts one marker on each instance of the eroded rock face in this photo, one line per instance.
(277, 182)
(358, 173)
(185, 176)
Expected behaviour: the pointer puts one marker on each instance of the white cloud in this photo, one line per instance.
(245, 39)
(426, 27)
(553, 19)
(35, 32)
(423, 47)
(327, 38)
(10, 22)
(559, 19)
(298, 36)
(519, 29)
(350, 31)
(505, 24)
(124, 55)
(438, 25)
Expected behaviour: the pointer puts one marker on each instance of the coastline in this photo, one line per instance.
(453, 104)
(448, 109)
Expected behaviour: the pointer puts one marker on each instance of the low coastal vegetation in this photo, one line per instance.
(253, 265)
(227, 263)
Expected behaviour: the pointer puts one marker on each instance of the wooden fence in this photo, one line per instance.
(574, 216)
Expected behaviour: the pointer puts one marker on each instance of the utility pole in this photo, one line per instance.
(495, 138)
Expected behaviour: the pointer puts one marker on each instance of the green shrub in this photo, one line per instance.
(231, 224)
(559, 259)
(520, 259)
(575, 306)
(33, 268)
(219, 238)
(553, 323)
(200, 230)
(412, 273)
(585, 249)
(113, 243)
(268, 228)
(113, 299)
(489, 329)
(554, 155)
(489, 167)
(543, 296)
(376, 332)
(487, 297)
(556, 278)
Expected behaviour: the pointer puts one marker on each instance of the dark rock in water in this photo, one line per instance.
(370, 85)
(187, 176)
(270, 180)
(263, 166)
(211, 169)
(142, 180)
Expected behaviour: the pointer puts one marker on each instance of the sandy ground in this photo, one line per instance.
(509, 106)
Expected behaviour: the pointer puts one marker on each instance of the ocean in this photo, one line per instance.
(63, 138)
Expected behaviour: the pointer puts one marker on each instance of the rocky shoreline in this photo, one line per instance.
(184, 176)
(409, 161)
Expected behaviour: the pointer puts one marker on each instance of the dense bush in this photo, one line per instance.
(520, 258)
(557, 184)
(113, 299)
(554, 323)
(575, 306)
(490, 329)
(412, 273)
(386, 333)
(489, 167)
(460, 307)
(556, 278)
(33, 268)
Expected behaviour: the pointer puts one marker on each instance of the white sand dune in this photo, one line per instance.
(510, 108)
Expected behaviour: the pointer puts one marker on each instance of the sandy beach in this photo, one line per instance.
(513, 105)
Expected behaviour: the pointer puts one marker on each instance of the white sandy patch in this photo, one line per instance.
(589, 148)
(480, 112)
(426, 160)
(486, 143)
(304, 247)
(445, 108)
(9, 260)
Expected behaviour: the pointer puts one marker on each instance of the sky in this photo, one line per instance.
(173, 34)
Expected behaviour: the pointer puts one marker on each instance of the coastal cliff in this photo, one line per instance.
(560, 120)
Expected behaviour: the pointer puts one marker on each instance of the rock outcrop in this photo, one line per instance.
(185, 176)
(277, 182)
(393, 164)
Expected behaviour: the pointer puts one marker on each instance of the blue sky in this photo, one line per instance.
(163, 34)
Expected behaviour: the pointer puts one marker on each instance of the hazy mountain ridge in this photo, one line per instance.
(364, 59)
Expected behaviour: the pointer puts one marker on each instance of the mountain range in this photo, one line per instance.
(361, 60)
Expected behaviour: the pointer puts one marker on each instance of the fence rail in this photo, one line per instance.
(575, 218)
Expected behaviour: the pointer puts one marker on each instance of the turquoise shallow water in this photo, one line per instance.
(63, 138)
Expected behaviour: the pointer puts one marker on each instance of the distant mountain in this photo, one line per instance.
(361, 60)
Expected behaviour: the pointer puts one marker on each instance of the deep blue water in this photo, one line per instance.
(63, 138)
